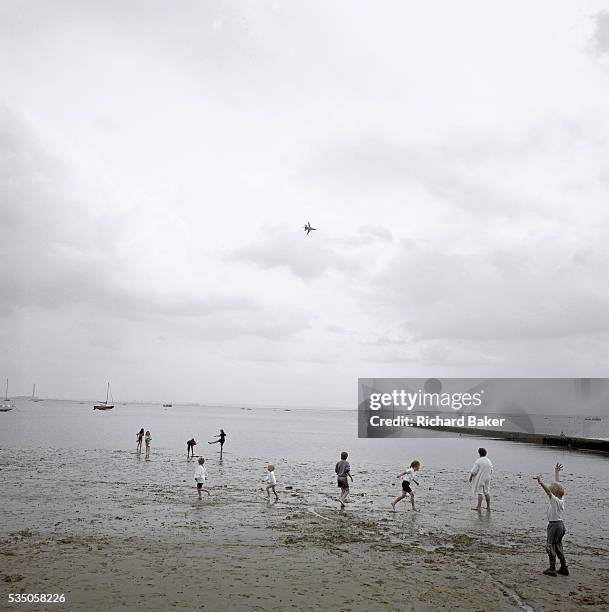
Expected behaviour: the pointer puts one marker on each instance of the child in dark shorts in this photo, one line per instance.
(408, 475)
(201, 476)
(343, 473)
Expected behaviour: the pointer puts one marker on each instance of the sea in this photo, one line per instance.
(61, 461)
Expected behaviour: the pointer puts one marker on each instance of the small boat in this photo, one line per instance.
(105, 405)
(6, 403)
(167, 405)
(34, 398)
(593, 419)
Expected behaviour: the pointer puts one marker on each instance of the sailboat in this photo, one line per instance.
(105, 405)
(34, 398)
(6, 403)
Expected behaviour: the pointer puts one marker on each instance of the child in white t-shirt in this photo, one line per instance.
(271, 482)
(408, 477)
(201, 476)
(556, 527)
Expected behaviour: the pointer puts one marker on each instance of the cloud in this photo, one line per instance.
(306, 257)
(366, 235)
(533, 290)
(600, 37)
(482, 171)
(59, 252)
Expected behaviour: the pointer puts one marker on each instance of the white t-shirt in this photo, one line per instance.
(482, 467)
(409, 475)
(556, 508)
(271, 478)
(200, 473)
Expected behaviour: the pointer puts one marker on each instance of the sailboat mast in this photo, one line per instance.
(107, 391)
(34, 391)
(6, 392)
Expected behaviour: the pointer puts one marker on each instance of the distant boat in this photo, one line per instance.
(6, 403)
(593, 419)
(167, 405)
(105, 405)
(34, 398)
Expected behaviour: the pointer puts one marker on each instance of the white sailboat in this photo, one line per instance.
(34, 398)
(105, 405)
(6, 403)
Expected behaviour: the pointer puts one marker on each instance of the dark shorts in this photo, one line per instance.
(199, 485)
(342, 482)
(406, 486)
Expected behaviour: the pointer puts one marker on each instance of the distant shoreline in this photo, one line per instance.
(569, 442)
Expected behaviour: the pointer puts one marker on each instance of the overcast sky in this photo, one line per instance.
(158, 161)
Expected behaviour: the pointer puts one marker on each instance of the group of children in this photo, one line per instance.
(480, 478)
(144, 437)
(200, 477)
(190, 444)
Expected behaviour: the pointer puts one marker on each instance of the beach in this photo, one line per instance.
(86, 516)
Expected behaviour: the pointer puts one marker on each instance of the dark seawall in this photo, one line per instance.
(568, 442)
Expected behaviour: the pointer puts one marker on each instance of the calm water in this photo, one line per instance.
(275, 433)
(82, 464)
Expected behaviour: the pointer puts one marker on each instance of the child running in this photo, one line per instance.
(409, 476)
(343, 472)
(271, 482)
(556, 527)
(201, 476)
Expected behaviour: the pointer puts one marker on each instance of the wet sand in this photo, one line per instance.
(111, 531)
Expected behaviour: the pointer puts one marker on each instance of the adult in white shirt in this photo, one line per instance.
(480, 477)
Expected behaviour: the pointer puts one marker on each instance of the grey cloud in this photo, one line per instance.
(339, 330)
(452, 171)
(304, 256)
(57, 253)
(367, 235)
(534, 291)
(600, 38)
(376, 231)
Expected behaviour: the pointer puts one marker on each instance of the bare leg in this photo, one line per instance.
(267, 491)
(488, 502)
(221, 445)
(412, 501)
(275, 492)
(398, 499)
(479, 506)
